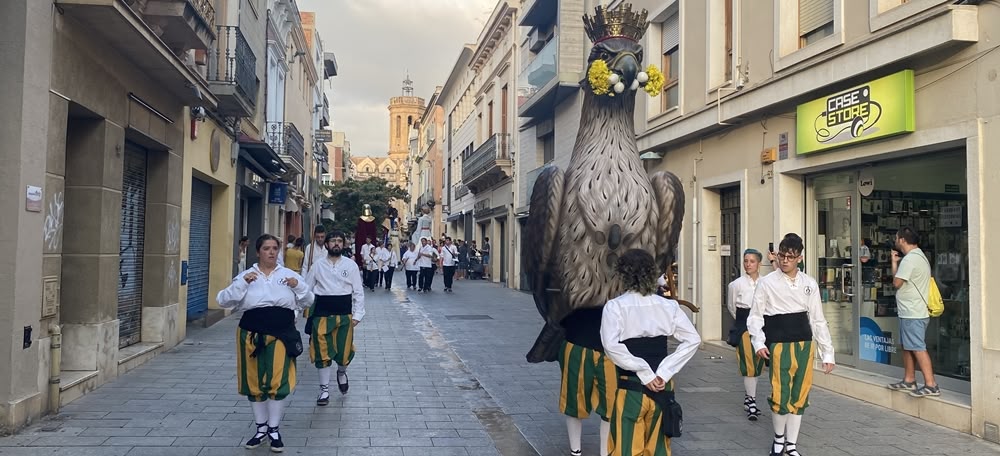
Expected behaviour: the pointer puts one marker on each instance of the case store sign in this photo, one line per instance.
(873, 110)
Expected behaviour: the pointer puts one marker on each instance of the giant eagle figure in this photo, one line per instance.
(603, 204)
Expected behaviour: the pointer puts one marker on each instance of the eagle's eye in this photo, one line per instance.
(603, 55)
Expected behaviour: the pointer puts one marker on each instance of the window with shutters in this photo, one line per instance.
(883, 13)
(815, 21)
(671, 63)
(722, 31)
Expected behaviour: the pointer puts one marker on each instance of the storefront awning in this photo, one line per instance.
(260, 154)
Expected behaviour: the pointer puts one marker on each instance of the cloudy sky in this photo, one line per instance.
(376, 42)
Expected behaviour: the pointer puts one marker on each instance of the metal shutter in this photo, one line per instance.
(814, 14)
(199, 248)
(671, 34)
(133, 228)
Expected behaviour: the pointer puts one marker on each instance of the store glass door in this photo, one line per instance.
(837, 271)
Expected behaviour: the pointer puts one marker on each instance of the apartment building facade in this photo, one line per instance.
(841, 121)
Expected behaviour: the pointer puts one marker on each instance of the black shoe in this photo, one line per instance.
(776, 443)
(324, 396)
(790, 449)
(276, 445)
(257, 438)
(750, 406)
(343, 385)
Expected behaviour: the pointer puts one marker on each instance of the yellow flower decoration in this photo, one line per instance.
(598, 77)
(655, 83)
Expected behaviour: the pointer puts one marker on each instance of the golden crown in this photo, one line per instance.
(620, 22)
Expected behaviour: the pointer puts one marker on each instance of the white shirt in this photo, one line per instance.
(425, 261)
(410, 260)
(633, 315)
(266, 291)
(366, 249)
(740, 294)
(449, 255)
(661, 281)
(313, 254)
(778, 294)
(384, 257)
(338, 276)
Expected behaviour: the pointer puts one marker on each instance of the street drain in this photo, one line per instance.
(468, 317)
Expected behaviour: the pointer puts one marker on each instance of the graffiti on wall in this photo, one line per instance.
(52, 230)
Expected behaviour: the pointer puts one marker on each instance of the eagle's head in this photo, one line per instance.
(614, 66)
(623, 57)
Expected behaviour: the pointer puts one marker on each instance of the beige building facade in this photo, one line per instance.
(840, 121)
(103, 89)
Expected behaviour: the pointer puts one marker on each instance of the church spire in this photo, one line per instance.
(407, 85)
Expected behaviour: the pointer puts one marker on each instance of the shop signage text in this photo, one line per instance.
(277, 192)
(876, 109)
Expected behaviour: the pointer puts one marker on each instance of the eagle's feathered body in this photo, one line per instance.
(604, 204)
(607, 205)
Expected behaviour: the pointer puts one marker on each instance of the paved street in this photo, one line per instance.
(438, 374)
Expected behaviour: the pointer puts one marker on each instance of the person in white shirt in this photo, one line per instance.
(739, 298)
(388, 259)
(366, 251)
(449, 258)
(425, 260)
(316, 250)
(339, 307)
(787, 303)
(410, 258)
(372, 266)
(267, 340)
(635, 328)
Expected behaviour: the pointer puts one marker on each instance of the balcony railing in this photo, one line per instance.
(539, 72)
(460, 190)
(232, 62)
(486, 156)
(182, 24)
(286, 141)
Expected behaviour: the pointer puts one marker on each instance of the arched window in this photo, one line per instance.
(409, 120)
(368, 169)
(387, 170)
(399, 130)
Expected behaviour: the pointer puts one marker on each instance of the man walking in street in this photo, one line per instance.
(463, 259)
(427, 257)
(449, 257)
(339, 307)
(486, 258)
(912, 279)
(410, 258)
(316, 250)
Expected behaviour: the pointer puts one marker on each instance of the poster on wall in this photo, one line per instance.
(875, 345)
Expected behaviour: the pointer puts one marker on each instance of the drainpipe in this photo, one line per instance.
(55, 363)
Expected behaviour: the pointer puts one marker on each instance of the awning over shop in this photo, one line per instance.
(258, 153)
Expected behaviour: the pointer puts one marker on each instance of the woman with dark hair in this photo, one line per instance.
(267, 340)
(738, 299)
(634, 330)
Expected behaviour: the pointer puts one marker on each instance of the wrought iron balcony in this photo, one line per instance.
(183, 24)
(287, 142)
(232, 68)
(489, 164)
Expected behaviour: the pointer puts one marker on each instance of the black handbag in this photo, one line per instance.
(734, 337)
(672, 418)
(293, 342)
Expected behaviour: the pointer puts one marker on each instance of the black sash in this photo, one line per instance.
(739, 327)
(327, 306)
(793, 327)
(278, 322)
(651, 349)
(583, 328)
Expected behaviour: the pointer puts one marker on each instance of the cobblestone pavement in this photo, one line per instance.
(437, 374)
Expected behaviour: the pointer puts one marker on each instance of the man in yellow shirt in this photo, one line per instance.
(294, 256)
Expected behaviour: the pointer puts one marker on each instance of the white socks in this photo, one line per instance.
(574, 427)
(779, 421)
(274, 411)
(750, 385)
(605, 431)
(341, 374)
(259, 412)
(324, 376)
(794, 424)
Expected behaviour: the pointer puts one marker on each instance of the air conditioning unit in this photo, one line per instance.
(540, 36)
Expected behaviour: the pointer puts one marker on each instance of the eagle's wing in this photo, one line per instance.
(669, 193)
(540, 236)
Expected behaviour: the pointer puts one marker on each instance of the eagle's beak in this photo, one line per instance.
(626, 64)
